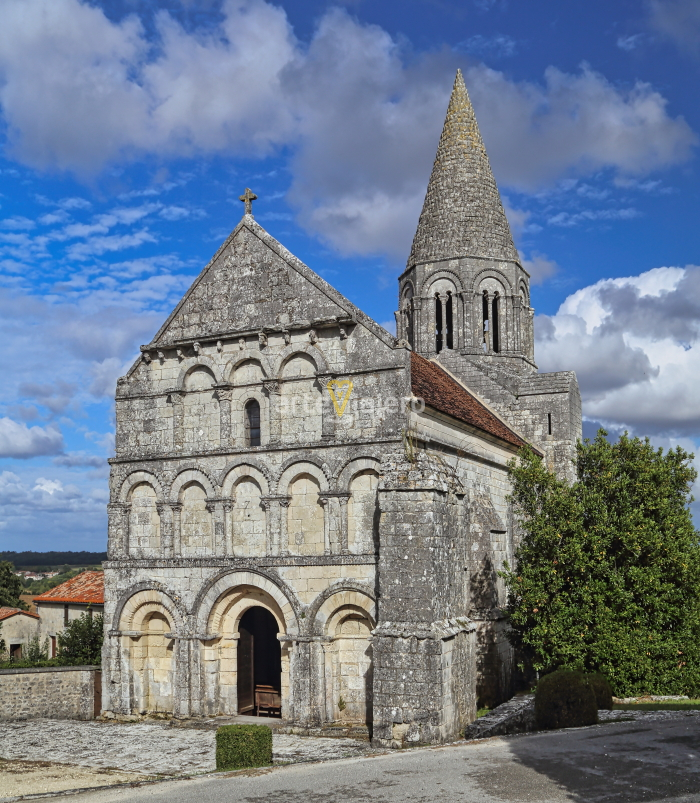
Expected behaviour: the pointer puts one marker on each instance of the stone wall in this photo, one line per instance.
(61, 692)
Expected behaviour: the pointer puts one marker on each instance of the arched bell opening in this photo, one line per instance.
(259, 670)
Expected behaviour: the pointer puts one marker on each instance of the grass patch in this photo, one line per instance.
(662, 705)
(482, 712)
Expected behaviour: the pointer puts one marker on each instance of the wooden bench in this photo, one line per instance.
(269, 700)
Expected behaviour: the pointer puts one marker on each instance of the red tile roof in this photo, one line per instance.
(441, 392)
(85, 587)
(5, 613)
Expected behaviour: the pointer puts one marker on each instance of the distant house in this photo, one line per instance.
(62, 604)
(18, 629)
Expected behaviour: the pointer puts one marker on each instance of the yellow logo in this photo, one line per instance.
(340, 390)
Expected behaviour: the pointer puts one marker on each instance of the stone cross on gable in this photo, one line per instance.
(248, 197)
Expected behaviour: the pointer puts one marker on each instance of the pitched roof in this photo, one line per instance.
(87, 587)
(462, 212)
(6, 613)
(441, 392)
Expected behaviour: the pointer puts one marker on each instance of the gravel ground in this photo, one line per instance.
(148, 748)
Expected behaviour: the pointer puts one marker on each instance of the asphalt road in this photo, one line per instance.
(621, 762)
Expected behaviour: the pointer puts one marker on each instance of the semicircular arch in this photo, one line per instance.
(138, 478)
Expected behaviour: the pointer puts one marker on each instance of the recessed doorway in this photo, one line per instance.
(259, 664)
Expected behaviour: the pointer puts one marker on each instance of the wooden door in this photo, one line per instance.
(246, 686)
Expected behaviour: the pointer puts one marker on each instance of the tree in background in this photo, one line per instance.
(3, 646)
(80, 644)
(607, 574)
(10, 587)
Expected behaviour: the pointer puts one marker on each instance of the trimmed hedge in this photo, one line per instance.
(239, 746)
(565, 699)
(602, 690)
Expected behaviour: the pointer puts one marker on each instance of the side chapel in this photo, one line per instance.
(308, 514)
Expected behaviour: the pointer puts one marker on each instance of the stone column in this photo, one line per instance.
(272, 388)
(176, 508)
(328, 410)
(443, 304)
(215, 510)
(225, 433)
(178, 400)
(324, 501)
(344, 498)
(227, 506)
(117, 529)
(166, 530)
(276, 524)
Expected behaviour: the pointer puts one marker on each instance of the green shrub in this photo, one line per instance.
(565, 699)
(602, 690)
(239, 746)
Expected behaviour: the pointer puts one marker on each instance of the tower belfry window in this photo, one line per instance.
(252, 423)
(485, 318)
(449, 317)
(443, 321)
(495, 333)
(438, 324)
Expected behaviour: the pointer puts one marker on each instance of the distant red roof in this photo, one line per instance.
(5, 613)
(85, 587)
(441, 392)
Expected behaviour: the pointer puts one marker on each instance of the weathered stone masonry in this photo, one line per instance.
(285, 464)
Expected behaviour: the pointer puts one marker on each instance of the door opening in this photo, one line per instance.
(259, 664)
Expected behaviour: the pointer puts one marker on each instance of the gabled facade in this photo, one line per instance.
(63, 603)
(17, 629)
(307, 516)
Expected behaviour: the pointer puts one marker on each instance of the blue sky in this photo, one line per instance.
(129, 129)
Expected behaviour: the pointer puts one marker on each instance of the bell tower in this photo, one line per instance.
(465, 296)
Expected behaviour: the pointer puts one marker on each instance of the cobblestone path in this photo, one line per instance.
(148, 748)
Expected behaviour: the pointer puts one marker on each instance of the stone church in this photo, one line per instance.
(308, 514)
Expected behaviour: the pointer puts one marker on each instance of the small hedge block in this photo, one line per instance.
(602, 690)
(239, 746)
(565, 699)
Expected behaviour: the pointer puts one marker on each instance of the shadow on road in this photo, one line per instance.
(624, 762)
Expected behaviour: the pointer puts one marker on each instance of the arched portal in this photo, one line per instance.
(259, 670)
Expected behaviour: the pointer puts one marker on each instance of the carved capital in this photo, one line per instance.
(160, 507)
(176, 507)
(324, 379)
(228, 505)
(272, 386)
(262, 339)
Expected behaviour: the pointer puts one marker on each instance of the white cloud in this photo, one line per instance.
(20, 441)
(496, 46)
(587, 215)
(635, 345)
(539, 267)
(361, 120)
(629, 42)
(677, 21)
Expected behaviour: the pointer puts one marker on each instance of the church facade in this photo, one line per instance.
(308, 514)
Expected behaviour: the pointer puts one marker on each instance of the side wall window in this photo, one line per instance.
(252, 423)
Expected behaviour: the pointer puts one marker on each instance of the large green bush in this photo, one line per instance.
(602, 690)
(607, 574)
(565, 699)
(239, 746)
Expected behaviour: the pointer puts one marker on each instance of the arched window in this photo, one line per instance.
(495, 333)
(443, 321)
(252, 423)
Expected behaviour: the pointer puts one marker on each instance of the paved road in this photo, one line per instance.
(624, 762)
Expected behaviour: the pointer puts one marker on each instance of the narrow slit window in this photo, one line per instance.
(438, 324)
(549, 423)
(252, 423)
(485, 316)
(449, 318)
(495, 335)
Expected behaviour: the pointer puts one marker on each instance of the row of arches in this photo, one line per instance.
(248, 407)
(248, 514)
(446, 317)
(248, 636)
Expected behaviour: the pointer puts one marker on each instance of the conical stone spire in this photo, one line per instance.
(462, 213)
